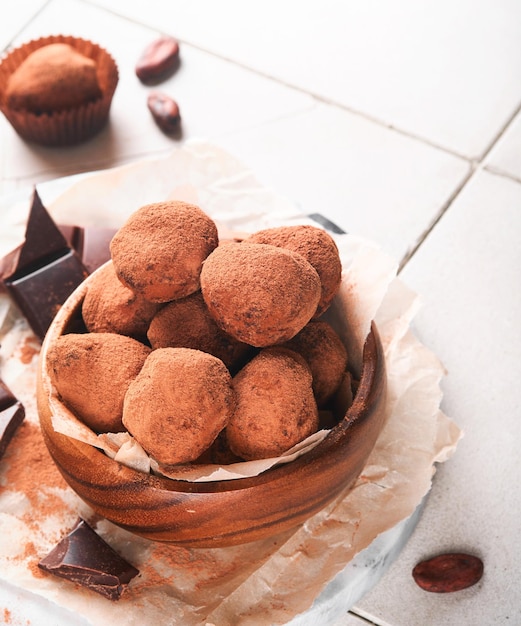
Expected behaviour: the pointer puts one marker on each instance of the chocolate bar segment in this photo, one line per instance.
(12, 414)
(83, 557)
(43, 271)
(92, 243)
(41, 293)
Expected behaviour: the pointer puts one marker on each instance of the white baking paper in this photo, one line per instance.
(270, 581)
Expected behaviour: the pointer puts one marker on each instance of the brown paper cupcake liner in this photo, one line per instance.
(68, 126)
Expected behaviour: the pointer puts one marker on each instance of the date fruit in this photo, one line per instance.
(158, 61)
(449, 572)
(165, 112)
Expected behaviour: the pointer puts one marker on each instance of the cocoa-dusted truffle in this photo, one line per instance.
(325, 354)
(159, 251)
(57, 90)
(52, 78)
(186, 323)
(275, 405)
(178, 404)
(110, 307)
(91, 373)
(259, 294)
(316, 246)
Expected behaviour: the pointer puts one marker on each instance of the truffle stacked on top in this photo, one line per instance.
(191, 343)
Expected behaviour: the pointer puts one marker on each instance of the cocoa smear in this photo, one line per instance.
(32, 557)
(202, 577)
(29, 349)
(27, 466)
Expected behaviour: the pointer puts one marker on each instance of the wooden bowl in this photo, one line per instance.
(219, 513)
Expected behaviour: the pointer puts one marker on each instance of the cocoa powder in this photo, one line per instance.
(29, 349)
(27, 467)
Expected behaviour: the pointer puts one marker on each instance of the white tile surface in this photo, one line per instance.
(368, 76)
(367, 179)
(506, 155)
(444, 71)
(468, 273)
(214, 97)
(15, 17)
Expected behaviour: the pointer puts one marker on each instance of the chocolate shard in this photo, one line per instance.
(41, 273)
(42, 238)
(12, 414)
(83, 557)
(92, 243)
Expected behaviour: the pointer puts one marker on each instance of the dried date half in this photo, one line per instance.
(158, 61)
(449, 572)
(165, 112)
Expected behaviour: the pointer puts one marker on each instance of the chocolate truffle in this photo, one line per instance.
(57, 90)
(178, 404)
(317, 247)
(159, 251)
(275, 405)
(186, 323)
(110, 307)
(259, 294)
(325, 354)
(92, 372)
(52, 78)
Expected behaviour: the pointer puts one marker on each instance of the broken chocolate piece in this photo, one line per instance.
(92, 244)
(83, 557)
(12, 414)
(42, 273)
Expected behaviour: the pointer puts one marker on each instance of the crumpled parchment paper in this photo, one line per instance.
(270, 581)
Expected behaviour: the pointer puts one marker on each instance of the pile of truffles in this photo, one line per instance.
(206, 350)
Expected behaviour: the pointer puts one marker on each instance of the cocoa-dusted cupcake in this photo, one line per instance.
(57, 90)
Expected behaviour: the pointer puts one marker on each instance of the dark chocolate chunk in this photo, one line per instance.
(12, 414)
(92, 244)
(41, 273)
(83, 557)
(326, 223)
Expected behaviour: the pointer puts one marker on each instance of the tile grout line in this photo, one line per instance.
(474, 162)
(24, 26)
(315, 96)
(318, 97)
(499, 172)
(476, 166)
(444, 208)
(362, 618)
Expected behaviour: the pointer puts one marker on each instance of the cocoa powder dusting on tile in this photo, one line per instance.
(28, 467)
(29, 349)
(28, 463)
(32, 557)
